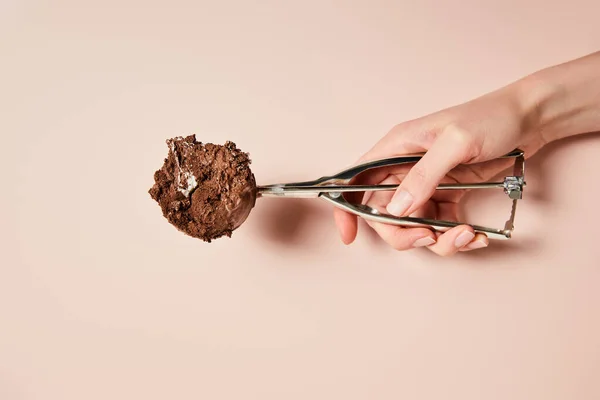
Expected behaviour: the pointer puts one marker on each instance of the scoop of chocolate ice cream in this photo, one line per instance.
(204, 190)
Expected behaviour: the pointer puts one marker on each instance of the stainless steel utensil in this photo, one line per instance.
(331, 188)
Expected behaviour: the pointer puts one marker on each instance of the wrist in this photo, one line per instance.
(561, 101)
(540, 102)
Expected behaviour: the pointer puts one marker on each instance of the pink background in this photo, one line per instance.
(100, 298)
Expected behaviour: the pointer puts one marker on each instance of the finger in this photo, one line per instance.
(449, 211)
(450, 242)
(452, 148)
(347, 225)
(376, 176)
(453, 240)
(414, 136)
(397, 237)
(479, 242)
(403, 238)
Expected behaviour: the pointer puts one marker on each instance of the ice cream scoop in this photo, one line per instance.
(216, 199)
(331, 189)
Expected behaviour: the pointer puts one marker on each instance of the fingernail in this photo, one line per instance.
(463, 239)
(424, 241)
(400, 203)
(478, 244)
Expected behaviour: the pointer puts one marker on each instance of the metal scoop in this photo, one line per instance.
(331, 188)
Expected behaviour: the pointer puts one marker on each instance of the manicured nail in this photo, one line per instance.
(400, 203)
(478, 244)
(463, 239)
(424, 241)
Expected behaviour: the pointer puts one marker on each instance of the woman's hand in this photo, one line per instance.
(464, 143)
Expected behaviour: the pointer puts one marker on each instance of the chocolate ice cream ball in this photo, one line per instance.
(204, 190)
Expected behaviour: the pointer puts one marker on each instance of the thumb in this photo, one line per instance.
(452, 147)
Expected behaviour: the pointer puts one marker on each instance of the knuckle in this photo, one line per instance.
(426, 138)
(415, 133)
(457, 134)
(462, 141)
(400, 128)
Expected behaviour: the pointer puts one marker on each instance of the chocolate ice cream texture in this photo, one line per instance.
(204, 190)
